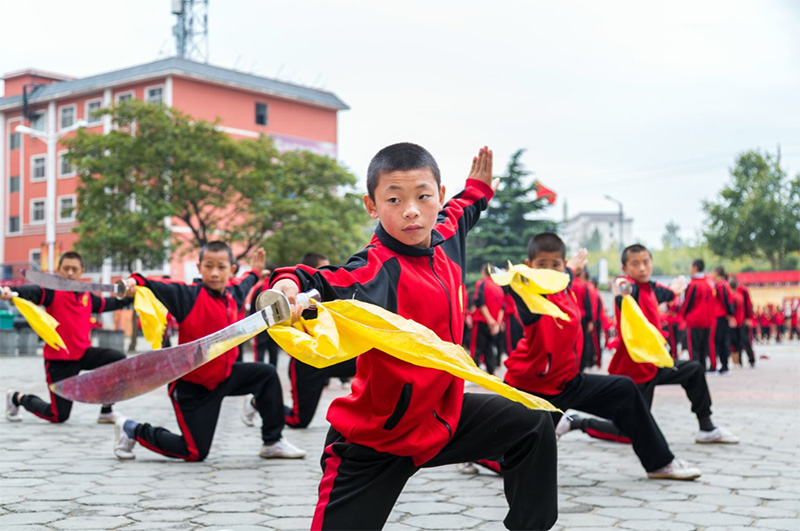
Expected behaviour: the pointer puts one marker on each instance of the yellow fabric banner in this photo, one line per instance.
(152, 316)
(345, 329)
(42, 322)
(644, 342)
(530, 284)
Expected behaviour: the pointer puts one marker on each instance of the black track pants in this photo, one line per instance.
(307, 385)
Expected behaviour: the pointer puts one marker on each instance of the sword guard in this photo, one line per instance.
(280, 304)
(120, 289)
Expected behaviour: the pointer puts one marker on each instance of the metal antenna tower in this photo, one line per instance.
(191, 29)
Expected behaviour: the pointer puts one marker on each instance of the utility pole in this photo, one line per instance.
(191, 29)
(621, 221)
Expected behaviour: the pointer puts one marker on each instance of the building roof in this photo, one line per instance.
(597, 216)
(183, 68)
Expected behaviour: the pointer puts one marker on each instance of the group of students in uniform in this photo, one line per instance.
(400, 417)
(777, 322)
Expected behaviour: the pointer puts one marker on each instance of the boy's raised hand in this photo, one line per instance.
(258, 260)
(482, 168)
(578, 262)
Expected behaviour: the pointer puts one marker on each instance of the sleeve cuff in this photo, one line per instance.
(281, 276)
(481, 187)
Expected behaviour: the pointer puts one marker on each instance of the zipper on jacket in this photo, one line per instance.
(444, 423)
(547, 367)
(400, 409)
(449, 303)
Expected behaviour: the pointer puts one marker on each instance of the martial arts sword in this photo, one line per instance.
(140, 374)
(57, 282)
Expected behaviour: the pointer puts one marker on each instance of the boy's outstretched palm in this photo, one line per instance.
(482, 168)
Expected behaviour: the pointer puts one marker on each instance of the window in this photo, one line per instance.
(13, 224)
(261, 113)
(35, 259)
(154, 94)
(37, 122)
(13, 184)
(37, 168)
(92, 108)
(37, 211)
(14, 141)
(124, 96)
(65, 167)
(66, 208)
(66, 116)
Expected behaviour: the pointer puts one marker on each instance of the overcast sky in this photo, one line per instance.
(647, 102)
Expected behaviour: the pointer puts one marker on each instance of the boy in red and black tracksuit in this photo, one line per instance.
(591, 347)
(73, 311)
(742, 335)
(547, 363)
(400, 417)
(513, 325)
(488, 320)
(584, 305)
(201, 309)
(308, 382)
(673, 321)
(637, 265)
(723, 311)
(697, 311)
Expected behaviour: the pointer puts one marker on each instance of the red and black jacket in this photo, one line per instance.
(201, 311)
(73, 311)
(488, 294)
(549, 354)
(723, 299)
(396, 407)
(697, 309)
(648, 295)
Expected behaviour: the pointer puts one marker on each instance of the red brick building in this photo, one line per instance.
(38, 190)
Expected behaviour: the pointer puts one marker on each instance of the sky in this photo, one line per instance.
(647, 102)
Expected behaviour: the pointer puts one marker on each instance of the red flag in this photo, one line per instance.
(542, 191)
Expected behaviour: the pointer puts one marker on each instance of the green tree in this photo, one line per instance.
(672, 238)
(757, 214)
(160, 162)
(505, 227)
(592, 243)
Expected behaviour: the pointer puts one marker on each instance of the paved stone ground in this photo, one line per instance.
(65, 476)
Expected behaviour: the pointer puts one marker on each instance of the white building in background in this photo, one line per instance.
(578, 230)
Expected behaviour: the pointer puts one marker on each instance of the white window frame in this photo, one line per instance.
(38, 262)
(44, 211)
(33, 168)
(120, 95)
(148, 89)
(61, 110)
(65, 175)
(19, 184)
(87, 115)
(74, 198)
(19, 225)
(18, 136)
(44, 121)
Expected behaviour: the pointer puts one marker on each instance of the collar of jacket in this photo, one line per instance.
(408, 250)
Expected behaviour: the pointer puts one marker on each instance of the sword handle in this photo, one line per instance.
(304, 299)
(120, 289)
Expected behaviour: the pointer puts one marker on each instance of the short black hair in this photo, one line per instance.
(733, 282)
(404, 156)
(700, 265)
(635, 248)
(313, 259)
(719, 270)
(546, 242)
(70, 255)
(216, 247)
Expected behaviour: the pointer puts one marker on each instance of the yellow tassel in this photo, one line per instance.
(643, 341)
(345, 329)
(152, 316)
(42, 322)
(530, 284)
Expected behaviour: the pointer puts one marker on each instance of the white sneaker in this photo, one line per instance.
(717, 435)
(282, 449)
(123, 445)
(248, 411)
(107, 418)
(467, 468)
(564, 426)
(677, 469)
(12, 411)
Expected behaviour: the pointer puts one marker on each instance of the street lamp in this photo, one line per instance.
(50, 137)
(621, 220)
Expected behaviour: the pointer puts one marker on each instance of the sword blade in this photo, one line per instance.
(140, 374)
(57, 282)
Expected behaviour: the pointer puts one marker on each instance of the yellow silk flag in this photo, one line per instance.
(345, 329)
(530, 284)
(644, 342)
(42, 322)
(152, 316)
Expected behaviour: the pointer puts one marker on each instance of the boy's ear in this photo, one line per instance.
(441, 195)
(369, 204)
(528, 262)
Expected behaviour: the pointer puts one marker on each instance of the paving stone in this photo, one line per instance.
(607, 501)
(290, 523)
(222, 519)
(295, 511)
(488, 514)
(572, 520)
(648, 525)
(230, 507)
(632, 513)
(28, 518)
(428, 508)
(730, 500)
(762, 512)
(788, 524)
(163, 515)
(442, 521)
(707, 519)
(655, 495)
(103, 499)
(771, 494)
(91, 522)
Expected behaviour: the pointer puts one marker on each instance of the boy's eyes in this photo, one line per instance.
(393, 200)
